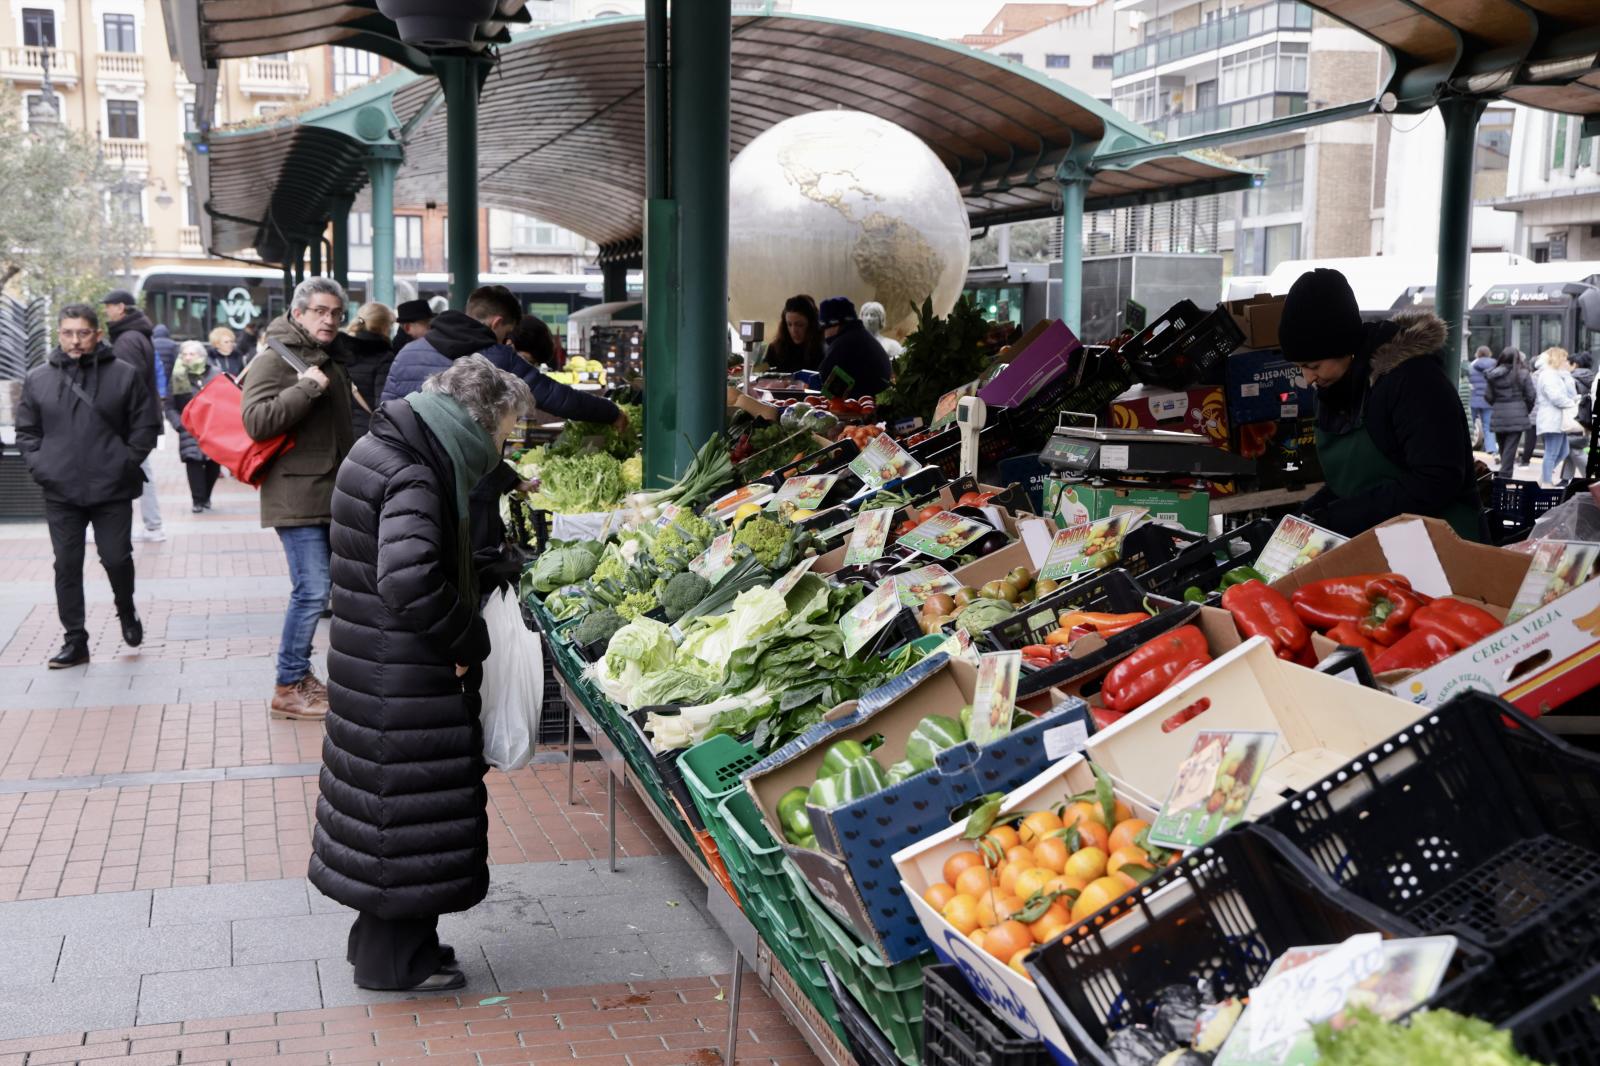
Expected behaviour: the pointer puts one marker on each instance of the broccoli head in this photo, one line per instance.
(764, 537)
(599, 625)
(684, 591)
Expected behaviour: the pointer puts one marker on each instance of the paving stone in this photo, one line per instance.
(67, 1006)
(106, 914)
(544, 879)
(251, 899)
(219, 993)
(31, 961)
(339, 986)
(211, 626)
(602, 915)
(597, 960)
(145, 951)
(697, 953)
(289, 939)
(226, 667)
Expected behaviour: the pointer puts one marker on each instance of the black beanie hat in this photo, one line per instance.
(1321, 319)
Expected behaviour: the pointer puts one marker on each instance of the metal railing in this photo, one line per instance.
(119, 65)
(1252, 22)
(26, 63)
(1240, 113)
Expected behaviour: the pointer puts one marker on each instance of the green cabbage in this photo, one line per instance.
(640, 648)
(562, 566)
(714, 639)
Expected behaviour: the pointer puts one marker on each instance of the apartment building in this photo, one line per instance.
(1072, 43)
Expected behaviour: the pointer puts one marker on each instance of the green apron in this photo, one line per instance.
(1352, 463)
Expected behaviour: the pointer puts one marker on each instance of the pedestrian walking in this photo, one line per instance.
(312, 407)
(166, 353)
(1576, 463)
(245, 342)
(223, 351)
(132, 340)
(415, 318)
(492, 313)
(402, 829)
(1508, 386)
(1482, 363)
(371, 355)
(531, 346)
(1555, 410)
(190, 372)
(85, 423)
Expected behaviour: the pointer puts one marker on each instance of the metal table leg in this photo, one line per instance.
(611, 816)
(733, 1006)
(572, 757)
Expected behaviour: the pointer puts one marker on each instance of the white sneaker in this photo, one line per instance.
(153, 536)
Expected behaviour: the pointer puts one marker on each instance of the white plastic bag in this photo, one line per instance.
(513, 685)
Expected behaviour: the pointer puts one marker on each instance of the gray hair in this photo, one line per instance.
(486, 392)
(872, 316)
(316, 286)
(191, 346)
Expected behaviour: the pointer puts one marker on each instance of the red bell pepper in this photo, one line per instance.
(1380, 605)
(1417, 650)
(1153, 666)
(1391, 601)
(1463, 624)
(1350, 635)
(1262, 611)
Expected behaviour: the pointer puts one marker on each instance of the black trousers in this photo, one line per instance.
(202, 479)
(1507, 443)
(113, 539)
(393, 954)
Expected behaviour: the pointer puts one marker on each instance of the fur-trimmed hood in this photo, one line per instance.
(1407, 335)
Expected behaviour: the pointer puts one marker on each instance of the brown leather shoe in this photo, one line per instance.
(315, 690)
(297, 704)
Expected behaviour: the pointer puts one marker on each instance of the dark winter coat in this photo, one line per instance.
(1511, 397)
(81, 456)
(188, 448)
(232, 363)
(552, 397)
(131, 338)
(166, 349)
(857, 353)
(244, 346)
(1398, 389)
(451, 336)
(1476, 371)
(402, 826)
(370, 358)
(297, 489)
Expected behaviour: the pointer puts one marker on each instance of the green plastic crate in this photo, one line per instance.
(711, 769)
(890, 994)
(762, 858)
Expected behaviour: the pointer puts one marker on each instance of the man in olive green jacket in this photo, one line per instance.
(312, 408)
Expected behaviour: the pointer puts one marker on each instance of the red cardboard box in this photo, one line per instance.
(1200, 410)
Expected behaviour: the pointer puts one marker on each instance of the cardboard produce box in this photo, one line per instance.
(1046, 357)
(1201, 410)
(1009, 994)
(1285, 450)
(851, 871)
(1188, 508)
(1262, 386)
(1322, 723)
(1258, 319)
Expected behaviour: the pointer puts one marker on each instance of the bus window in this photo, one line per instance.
(1486, 329)
(1551, 332)
(1521, 334)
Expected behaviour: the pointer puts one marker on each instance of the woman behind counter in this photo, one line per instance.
(1391, 435)
(798, 345)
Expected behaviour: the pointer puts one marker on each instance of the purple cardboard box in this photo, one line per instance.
(1040, 363)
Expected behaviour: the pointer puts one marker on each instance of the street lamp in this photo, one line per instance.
(121, 190)
(44, 109)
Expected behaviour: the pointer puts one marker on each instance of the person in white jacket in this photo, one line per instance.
(1555, 407)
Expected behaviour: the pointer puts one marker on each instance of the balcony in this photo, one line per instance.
(274, 77)
(120, 150)
(189, 240)
(119, 67)
(1238, 114)
(25, 64)
(1219, 33)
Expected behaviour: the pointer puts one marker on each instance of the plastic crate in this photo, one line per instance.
(711, 771)
(1216, 921)
(867, 1043)
(664, 766)
(1472, 821)
(1564, 1026)
(1105, 375)
(1109, 590)
(834, 457)
(553, 712)
(1523, 500)
(1184, 347)
(890, 994)
(958, 1030)
(1202, 564)
(714, 863)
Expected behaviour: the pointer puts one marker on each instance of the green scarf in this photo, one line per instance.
(472, 455)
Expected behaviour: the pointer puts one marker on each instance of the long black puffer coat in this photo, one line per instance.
(402, 826)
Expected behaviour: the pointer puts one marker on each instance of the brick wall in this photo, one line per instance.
(1344, 205)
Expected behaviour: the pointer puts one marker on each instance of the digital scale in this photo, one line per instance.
(1087, 450)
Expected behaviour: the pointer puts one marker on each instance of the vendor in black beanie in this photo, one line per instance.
(1392, 436)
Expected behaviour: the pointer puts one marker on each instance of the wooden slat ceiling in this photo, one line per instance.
(234, 29)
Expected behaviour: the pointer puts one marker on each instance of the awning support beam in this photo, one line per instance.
(462, 79)
(1460, 114)
(1129, 157)
(383, 164)
(614, 277)
(340, 255)
(660, 256)
(1073, 178)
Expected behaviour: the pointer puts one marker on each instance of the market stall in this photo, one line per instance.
(972, 779)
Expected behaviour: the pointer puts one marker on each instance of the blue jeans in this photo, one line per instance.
(1556, 446)
(1481, 414)
(307, 551)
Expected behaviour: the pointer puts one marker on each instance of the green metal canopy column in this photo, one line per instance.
(315, 246)
(1460, 116)
(462, 78)
(660, 259)
(1074, 183)
(340, 266)
(383, 163)
(701, 77)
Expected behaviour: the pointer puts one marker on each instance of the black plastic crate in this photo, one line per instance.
(554, 713)
(1523, 500)
(1564, 1026)
(1104, 375)
(1216, 921)
(1153, 545)
(1472, 821)
(1184, 347)
(1203, 563)
(868, 1046)
(958, 1030)
(1113, 591)
(667, 770)
(1099, 662)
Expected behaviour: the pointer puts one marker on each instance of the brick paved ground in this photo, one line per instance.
(155, 826)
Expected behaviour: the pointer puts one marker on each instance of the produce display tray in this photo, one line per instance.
(1202, 564)
(958, 1030)
(1472, 821)
(1563, 1026)
(1112, 591)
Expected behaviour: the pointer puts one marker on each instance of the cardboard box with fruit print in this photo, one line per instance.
(1200, 410)
(935, 872)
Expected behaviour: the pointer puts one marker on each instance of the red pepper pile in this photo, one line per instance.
(1149, 670)
(1259, 610)
(1394, 625)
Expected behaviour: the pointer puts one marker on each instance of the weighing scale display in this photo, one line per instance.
(1069, 452)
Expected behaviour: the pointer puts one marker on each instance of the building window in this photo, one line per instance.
(122, 120)
(191, 206)
(191, 121)
(1015, 57)
(1137, 101)
(353, 67)
(361, 228)
(119, 34)
(408, 242)
(1259, 71)
(1262, 249)
(1103, 62)
(266, 110)
(1558, 142)
(127, 205)
(1283, 189)
(38, 28)
(1492, 154)
(1057, 62)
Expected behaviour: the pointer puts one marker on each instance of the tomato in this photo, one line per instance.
(928, 512)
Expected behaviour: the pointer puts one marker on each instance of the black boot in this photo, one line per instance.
(70, 655)
(132, 629)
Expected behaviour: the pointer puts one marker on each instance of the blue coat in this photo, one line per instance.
(1480, 384)
(552, 397)
(452, 336)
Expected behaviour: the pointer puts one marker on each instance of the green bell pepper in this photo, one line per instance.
(1239, 575)
(1194, 594)
(840, 756)
(792, 813)
(932, 735)
(809, 842)
(863, 778)
(826, 793)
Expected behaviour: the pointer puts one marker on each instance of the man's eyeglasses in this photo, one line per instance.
(332, 314)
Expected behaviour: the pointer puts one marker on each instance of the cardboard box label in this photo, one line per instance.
(1294, 543)
(918, 585)
(1212, 788)
(805, 492)
(751, 493)
(1558, 567)
(996, 696)
(1091, 546)
(867, 618)
(716, 560)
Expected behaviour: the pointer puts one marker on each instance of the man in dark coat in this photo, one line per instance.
(852, 351)
(532, 346)
(132, 340)
(402, 832)
(415, 318)
(492, 313)
(246, 349)
(297, 490)
(166, 350)
(85, 452)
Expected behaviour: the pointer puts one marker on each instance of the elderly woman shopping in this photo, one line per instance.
(402, 830)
